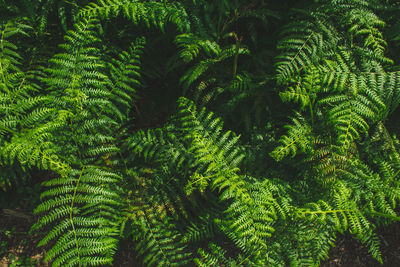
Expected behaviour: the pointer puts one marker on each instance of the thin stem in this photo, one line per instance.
(235, 61)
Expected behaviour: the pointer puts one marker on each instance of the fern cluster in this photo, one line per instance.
(205, 132)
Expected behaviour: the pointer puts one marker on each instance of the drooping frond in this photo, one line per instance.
(211, 63)
(151, 13)
(9, 56)
(35, 148)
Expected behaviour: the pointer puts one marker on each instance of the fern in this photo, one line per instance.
(305, 91)
(203, 66)
(214, 162)
(14, 91)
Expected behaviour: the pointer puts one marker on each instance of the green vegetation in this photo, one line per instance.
(215, 133)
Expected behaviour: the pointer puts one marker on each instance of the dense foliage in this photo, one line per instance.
(215, 133)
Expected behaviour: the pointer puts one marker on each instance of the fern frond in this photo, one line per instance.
(191, 46)
(84, 211)
(150, 13)
(305, 91)
(34, 149)
(250, 225)
(299, 137)
(216, 151)
(304, 45)
(214, 257)
(124, 74)
(9, 57)
(345, 215)
(83, 204)
(158, 242)
(349, 116)
(199, 70)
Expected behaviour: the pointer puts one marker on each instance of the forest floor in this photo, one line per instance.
(18, 247)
